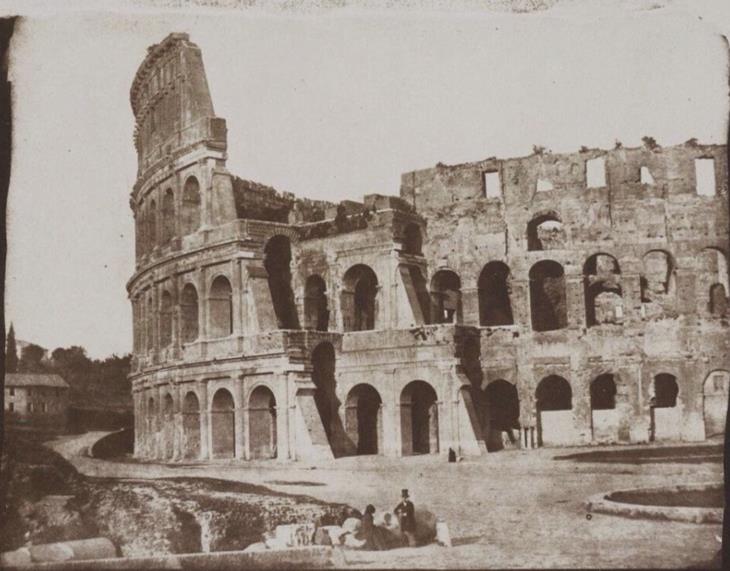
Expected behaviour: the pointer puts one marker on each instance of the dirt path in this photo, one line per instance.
(512, 509)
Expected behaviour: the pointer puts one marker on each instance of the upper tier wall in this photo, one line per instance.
(668, 173)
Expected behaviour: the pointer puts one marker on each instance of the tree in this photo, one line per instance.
(11, 352)
(30, 359)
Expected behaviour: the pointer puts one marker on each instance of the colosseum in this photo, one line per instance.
(546, 300)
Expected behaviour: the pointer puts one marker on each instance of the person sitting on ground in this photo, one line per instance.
(371, 533)
(406, 514)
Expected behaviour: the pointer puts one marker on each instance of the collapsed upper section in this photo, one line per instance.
(172, 104)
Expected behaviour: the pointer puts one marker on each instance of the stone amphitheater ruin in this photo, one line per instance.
(553, 299)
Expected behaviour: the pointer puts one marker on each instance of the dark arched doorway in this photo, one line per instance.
(501, 415)
(316, 313)
(262, 423)
(363, 419)
(548, 304)
(665, 414)
(494, 295)
(446, 297)
(554, 400)
(359, 298)
(223, 428)
(419, 419)
(604, 414)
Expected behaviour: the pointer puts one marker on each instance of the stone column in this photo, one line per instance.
(177, 451)
(575, 300)
(520, 300)
(470, 306)
(631, 294)
(240, 442)
(205, 434)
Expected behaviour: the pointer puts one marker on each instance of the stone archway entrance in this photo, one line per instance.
(665, 414)
(363, 420)
(419, 419)
(501, 415)
(554, 412)
(223, 431)
(191, 427)
(262, 423)
(715, 393)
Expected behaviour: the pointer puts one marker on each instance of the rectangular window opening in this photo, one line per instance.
(596, 173)
(492, 184)
(646, 177)
(705, 176)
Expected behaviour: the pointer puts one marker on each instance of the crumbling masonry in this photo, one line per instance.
(543, 300)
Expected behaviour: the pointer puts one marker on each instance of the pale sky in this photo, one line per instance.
(328, 104)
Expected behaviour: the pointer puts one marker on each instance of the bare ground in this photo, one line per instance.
(509, 509)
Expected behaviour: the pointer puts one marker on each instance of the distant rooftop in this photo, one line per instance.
(34, 380)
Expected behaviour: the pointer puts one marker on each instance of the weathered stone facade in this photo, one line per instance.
(543, 300)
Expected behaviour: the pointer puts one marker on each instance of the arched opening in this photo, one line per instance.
(191, 426)
(221, 308)
(446, 297)
(545, 232)
(168, 431)
(502, 415)
(277, 260)
(665, 391)
(712, 282)
(363, 419)
(262, 423)
(323, 377)
(715, 392)
(603, 392)
(548, 305)
(189, 313)
(316, 313)
(665, 421)
(419, 419)
(657, 279)
(168, 216)
(604, 414)
(412, 239)
(495, 307)
(223, 428)
(165, 319)
(190, 218)
(554, 400)
(359, 298)
(602, 289)
(152, 225)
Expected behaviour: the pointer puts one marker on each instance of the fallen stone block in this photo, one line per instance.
(442, 534)
(15, 558)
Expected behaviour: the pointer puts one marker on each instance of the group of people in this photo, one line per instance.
(377, 538)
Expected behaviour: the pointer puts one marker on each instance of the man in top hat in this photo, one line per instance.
(405, 513)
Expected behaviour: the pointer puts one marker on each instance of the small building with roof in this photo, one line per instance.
(36, 401)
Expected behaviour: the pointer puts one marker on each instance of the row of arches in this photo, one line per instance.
(157, 225)
(602, 284)
(262, 429)
(500, 407)
(360, 430)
